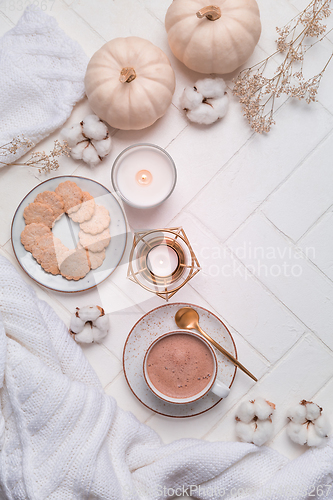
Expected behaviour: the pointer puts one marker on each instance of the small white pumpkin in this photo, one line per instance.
(129, 83)
(214, 38)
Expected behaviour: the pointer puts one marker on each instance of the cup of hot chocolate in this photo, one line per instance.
(181, 367)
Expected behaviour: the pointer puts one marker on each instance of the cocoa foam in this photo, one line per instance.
(180, 365)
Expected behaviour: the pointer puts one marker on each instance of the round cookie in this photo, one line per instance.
(99, 221)
(95, 243)
(96, 258)
(71, 195)
(31, 233)
(76, 265)
(53, 200)
(86, 210)
(39, 213)
(49, 252)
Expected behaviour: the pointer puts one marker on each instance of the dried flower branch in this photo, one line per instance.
(38, 159)
(257, 93)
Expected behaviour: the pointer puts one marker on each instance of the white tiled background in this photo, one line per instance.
(251, 205)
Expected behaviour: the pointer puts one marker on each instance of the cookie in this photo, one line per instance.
(49, 253)
(76, 265)
(96, 258)
(31, 233)
(95, 243)
(71, 195)
(39, 213)
(53, 200)
(86, 210)
(99, 221)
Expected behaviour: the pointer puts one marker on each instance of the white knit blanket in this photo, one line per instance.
(41, 78)
(62, 438)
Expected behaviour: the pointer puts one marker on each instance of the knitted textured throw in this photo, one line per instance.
(62, 438)
(41, 78)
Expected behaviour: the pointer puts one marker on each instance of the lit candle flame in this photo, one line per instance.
(144, 177)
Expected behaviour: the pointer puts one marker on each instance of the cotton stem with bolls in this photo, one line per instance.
(211, 12)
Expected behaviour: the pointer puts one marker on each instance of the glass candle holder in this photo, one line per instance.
(162, 261)
(144, 175)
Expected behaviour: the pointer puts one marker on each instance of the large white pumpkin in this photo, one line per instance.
(213, 38)
(129, 83)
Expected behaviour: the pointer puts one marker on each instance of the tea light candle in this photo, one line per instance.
(162, 261)
(144, 175)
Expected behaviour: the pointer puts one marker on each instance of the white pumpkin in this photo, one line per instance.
(129, 83)
(215, 38)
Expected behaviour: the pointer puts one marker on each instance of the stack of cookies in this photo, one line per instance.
(94, 236)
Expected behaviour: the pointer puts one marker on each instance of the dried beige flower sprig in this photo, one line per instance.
(38, 159)
(257, 93)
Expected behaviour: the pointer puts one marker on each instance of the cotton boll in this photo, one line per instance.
(221, 106)
(313, 438)
(190, 98)
(98, 334)
(73, 135)
(94, 128)
(322, 426)
(312, 411)
(263, 433)
(90, 156)
(211, 87)
(77, 151)
(103, 147)
(298, 433)
(89, 313)
(262, 408)
(206, 102)
(76, 324)
(86, 336)
(102, 323)
(245, 432)
(203, 114)
(297, 414)
(246, 412)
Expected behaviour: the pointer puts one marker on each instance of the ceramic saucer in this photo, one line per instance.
(68, 231)
(151, 326)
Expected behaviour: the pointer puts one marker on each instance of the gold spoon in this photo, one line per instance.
(188, 319)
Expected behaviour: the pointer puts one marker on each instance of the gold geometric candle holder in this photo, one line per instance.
(162, 261)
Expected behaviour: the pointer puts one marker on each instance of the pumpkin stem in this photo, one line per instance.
(211, 12)
(127, 75)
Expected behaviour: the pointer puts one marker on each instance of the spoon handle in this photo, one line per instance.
(226, 353)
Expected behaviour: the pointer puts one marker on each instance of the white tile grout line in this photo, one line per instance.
(115, 378)
(152, 14)
(111, 354)
(7, 18)
(330, 209)
(83, 19)
(300, 251)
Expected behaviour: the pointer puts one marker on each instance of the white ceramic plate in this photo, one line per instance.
(67, 231)
(151, 326)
